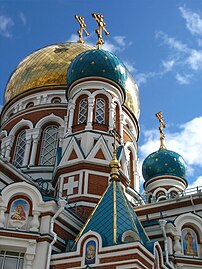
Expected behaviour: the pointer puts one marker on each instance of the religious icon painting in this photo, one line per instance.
(90, 252)
(19, 214)
(189, 240)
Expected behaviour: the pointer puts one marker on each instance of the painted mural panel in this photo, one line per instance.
(19, 213)
(189, 242)
(90, 252)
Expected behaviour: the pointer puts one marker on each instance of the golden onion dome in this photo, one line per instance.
(48, 67)
(132, 101)
(44, 67)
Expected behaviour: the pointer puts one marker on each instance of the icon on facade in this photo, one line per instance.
(189, 242)
(19, 214)
(90, 252)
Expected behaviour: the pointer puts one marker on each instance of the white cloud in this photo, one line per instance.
(195, 59)
(196, 183)
(73, 38)
(131, 68)
(187, 142)
(142, 78)
(168, 65)
(172, 42)
(5, 24)
(193, 21)
(120, 40)
(23, 18)
(183, 79)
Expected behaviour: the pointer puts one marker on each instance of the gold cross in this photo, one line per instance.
(101, 27)
(82, 28)
(161, 126)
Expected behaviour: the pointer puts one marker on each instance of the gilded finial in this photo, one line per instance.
(82, 28)
(101, 27)
(114, 164)
(161, 126)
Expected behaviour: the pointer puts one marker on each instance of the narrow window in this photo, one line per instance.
(100, 111)
(83, 108)
(20, 149)
(49, 145)
(11, 260)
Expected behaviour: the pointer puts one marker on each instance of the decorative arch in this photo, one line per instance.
(22, 189)
(51, 118)
(189, 218)
(23, 124)
(131, 159)
(129, 236)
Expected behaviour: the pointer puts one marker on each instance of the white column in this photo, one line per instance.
(2, 216)
(34, 225)
(9, 143)
(3, 148)
(60, 135)
(90, 112)
(111, 115)
(35, 136)
(122, 120)
(71, 116)
(170, 246)
(27, 147)
(177, 245)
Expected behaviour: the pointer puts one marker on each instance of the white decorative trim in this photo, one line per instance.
(50, 118)
(22, 123)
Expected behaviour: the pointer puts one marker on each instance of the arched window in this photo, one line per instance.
(19, 149)
(131, 170)
(83, 108)
(100, 111)
(49, 145)
(189, 242)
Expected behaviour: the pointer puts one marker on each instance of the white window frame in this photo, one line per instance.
(83, 109)
(100, 111)
(49, 148)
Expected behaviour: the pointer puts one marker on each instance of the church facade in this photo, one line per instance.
(69, 175)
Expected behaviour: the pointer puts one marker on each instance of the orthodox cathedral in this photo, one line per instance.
(69, 175)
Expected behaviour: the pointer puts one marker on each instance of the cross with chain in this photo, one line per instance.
(101, 27)
(82, 24)
(161, 126)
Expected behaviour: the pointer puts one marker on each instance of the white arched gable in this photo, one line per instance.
(189, 218)
(79, 93)
(22, 188)
(50, 118)
(83, 86)
(104, 92)
(158, 190)
(21, 124)
(89, 234)
(130, 146)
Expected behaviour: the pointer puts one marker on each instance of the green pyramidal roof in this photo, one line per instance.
(112, 217)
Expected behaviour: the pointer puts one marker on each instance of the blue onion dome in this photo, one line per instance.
(163, 162)
(97, 63)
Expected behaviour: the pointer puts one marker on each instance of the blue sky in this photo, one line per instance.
(160, 41)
